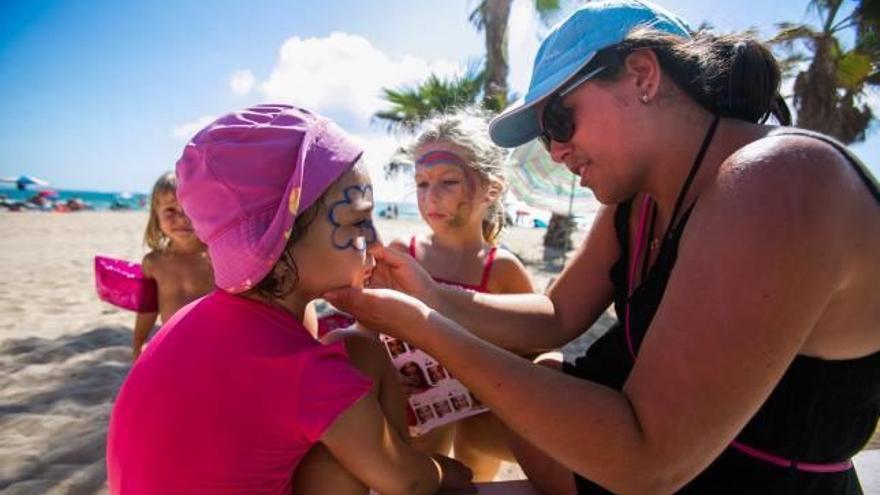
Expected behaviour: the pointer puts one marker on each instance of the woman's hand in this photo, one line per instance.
(399, 271)
(383, 310)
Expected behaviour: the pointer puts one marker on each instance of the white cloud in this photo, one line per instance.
(241, 82)
(343, 74)
(525, 32)
(378, 149)
(186, 130)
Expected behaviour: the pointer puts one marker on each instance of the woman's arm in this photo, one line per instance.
(522, 323)
(754, 273)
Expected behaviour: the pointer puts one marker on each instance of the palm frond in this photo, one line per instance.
(547, 9)
(476, 18)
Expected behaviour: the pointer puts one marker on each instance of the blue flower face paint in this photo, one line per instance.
(351, 228)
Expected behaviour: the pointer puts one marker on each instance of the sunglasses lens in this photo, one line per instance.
(557, 122)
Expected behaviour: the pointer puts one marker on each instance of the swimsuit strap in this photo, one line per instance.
(490, 259)
(648, 206)
(412, 246)
(707, 139)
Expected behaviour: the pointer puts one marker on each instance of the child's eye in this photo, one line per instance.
(421, 185)
(451, 182)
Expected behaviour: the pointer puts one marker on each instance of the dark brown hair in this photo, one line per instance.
(280, 282)
(729, 75)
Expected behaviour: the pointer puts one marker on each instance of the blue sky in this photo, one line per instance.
(101, 95)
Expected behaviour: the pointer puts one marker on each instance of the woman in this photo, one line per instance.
(741, 260)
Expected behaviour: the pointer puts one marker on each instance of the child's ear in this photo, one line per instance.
(493, 191)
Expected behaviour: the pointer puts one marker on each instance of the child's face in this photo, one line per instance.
(450, 195)
(333, 251)
(172, 221)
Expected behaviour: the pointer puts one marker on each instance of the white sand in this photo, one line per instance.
(64, 353)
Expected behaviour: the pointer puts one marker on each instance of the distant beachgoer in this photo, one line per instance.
(234, 395)
(177, 261)
(741, 259)
(460, 186)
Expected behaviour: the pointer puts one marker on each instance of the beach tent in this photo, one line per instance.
(23, 181)
(539, 182)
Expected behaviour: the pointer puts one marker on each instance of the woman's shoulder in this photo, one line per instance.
(790, 155)
(779, 183)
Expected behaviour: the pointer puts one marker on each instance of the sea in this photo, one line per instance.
(94, 199)
(99, 200)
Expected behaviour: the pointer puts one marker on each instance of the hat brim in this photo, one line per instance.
(521, 122)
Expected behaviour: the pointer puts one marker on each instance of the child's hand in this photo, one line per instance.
(399, 271)
(455, 477)
(382, 310)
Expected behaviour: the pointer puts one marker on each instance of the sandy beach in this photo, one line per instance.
(64, 353)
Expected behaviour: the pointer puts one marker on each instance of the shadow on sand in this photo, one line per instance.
(55, 401)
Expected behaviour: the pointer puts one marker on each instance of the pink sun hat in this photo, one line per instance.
(243, 179)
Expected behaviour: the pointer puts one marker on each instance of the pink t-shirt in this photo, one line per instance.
(227, 398)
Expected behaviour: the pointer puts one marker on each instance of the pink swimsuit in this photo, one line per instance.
(227, 398)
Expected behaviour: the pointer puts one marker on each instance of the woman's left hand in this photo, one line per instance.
(383, 310)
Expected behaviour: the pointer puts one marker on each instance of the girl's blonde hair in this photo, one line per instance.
(468, 129)
(154, 238)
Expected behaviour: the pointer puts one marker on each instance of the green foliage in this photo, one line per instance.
(412, 105)
(830, 80)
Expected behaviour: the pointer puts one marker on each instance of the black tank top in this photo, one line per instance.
(821, 411)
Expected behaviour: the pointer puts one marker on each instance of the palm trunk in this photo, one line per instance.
(558, 233)
(495, 16)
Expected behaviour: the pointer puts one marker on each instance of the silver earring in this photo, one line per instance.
(644, 99)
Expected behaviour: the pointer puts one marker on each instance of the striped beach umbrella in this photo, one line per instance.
(538, 181)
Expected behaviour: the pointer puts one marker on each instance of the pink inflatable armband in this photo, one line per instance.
(333, 321)
(122, 283)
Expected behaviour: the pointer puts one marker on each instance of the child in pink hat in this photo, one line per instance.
(234, 395)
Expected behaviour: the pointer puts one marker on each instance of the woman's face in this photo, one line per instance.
(605, 147)
(450, 194)
(333, 251)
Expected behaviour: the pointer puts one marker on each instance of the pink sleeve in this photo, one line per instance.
(330, 385)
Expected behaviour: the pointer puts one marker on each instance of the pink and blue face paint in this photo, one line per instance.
(436, 157)
(444, 157)
(350, 230)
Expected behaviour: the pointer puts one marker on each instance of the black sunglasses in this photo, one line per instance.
(557, 120)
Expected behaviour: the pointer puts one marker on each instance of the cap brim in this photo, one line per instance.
(520, 122)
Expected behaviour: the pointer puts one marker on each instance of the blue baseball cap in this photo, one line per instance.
(568, 48)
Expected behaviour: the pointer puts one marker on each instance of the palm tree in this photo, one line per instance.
(829, 94)
(412, 105)
(491, 17)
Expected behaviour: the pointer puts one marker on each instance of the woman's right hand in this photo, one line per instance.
(383, 310)
(399, 271)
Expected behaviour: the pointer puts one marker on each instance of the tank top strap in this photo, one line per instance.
(860, 168)
(412, 246)
(487, 268)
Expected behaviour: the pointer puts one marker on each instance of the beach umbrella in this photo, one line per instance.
(541, 183)
(23, 181)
